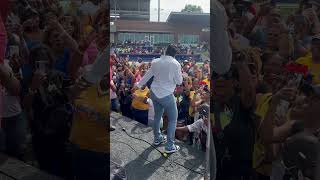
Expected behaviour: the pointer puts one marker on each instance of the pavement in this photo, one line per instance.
(13, 169)
(141, 161)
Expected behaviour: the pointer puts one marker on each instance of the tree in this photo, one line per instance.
(192, 9)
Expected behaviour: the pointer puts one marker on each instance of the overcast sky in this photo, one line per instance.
(168, 6)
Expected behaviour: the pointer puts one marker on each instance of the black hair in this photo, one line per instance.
(171, 51)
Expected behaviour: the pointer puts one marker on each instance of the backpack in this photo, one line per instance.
(52, 110)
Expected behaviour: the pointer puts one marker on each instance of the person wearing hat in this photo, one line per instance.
(312, 61)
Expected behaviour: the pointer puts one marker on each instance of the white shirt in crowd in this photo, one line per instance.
(222, 52)
(151, 113)
(166, 73)
(11, 104)
(197, 126)
(151, 110)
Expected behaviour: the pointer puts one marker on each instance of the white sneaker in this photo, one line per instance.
(175, 149)
(157, 143)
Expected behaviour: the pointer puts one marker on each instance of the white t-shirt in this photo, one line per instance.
(222, 52)
(151, 113)
(167, 74)
(198, 126)
(11, 104)
(151, 110)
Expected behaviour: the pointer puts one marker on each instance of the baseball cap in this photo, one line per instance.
(204, 110)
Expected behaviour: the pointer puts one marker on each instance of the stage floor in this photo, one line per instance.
(135, 154)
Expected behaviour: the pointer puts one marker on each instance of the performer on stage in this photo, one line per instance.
(166, 73)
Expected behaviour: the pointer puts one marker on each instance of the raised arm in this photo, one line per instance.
(145, 78)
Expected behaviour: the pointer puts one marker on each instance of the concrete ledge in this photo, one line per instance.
(11, 169)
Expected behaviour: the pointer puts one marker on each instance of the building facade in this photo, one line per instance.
(130, 10)
(183, 28)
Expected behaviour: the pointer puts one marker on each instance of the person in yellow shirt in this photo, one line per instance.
(140, 106)
(312, 60)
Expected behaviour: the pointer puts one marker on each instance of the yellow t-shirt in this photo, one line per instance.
(191, 96)
(314, 68)
(138, 101)
(259, 148)
(89, 129)
(207, 82)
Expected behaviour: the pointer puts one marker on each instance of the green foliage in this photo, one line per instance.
(192, 9)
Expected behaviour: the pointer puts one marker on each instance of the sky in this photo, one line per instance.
(168, 6)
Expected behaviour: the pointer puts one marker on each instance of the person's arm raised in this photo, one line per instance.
(270, 132)
(247, 92)
(145, 78)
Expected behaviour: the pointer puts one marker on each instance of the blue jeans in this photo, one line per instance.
(169, 105)
(115, 105)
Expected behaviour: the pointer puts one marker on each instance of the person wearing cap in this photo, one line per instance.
(312, 61)
(166, 73)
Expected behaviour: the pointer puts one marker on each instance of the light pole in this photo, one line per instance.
(158, 10)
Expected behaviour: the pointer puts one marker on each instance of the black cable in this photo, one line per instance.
(164, 167)
(162, 153)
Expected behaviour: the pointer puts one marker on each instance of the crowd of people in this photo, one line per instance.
(143, 48)
(53, 76)
(137, 104)
(265, 81)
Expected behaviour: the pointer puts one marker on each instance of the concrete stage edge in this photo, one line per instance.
(134, 158)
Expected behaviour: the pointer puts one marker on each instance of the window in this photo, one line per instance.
(158, 37)
(188, 39)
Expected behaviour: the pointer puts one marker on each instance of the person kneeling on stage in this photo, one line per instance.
(200, 126)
